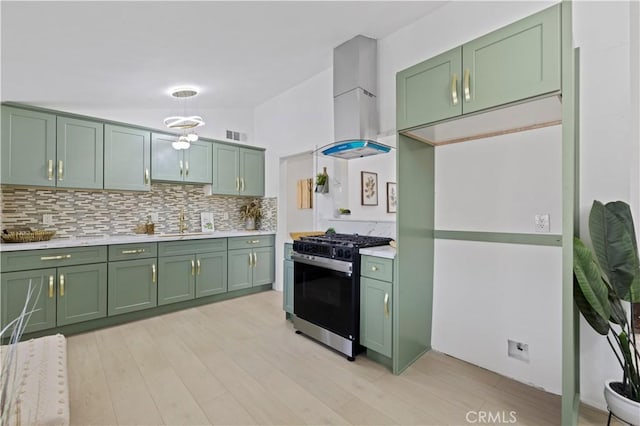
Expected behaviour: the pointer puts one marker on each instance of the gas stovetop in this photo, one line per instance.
(337, 246)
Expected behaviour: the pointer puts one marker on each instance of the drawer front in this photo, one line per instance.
(52, 258)
(175, 248)
(133, 251)
(288, 249)
(251, 242)
(378, 268)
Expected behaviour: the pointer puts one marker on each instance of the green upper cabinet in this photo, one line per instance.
(127, 158)
(79, 153)
(517, 62)
(237, 171)
(423, 96)
(191, 165)
(28, 147)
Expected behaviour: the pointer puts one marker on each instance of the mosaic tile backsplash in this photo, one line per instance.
(83, 213)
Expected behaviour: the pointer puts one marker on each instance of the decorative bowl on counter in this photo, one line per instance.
(27, 236)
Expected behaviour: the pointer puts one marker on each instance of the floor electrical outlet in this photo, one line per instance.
(47, 219)
(542, 223)
(518, 350)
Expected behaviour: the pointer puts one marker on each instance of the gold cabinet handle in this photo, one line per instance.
(51, 287)
(137, 251)
(237, 184)
(253, 241)
(193, 268)
(146, 176)
(180, 167)
(60, 170)
(250, 260)
(386, 305)
(454, 89)
(242, 184)
(199, 268)
(63, 256)
(374, 268)
(467, 92)
(153, 273)
(61, 285)
(255, 259)
(50, 169)
(186, 167)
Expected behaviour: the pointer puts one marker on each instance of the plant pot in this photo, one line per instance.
(621, 406)
(322, 189)
(250, 224)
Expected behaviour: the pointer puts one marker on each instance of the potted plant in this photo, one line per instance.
(250, 213)
(603, 282)
(322, 181)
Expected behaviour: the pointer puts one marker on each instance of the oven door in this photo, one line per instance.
(326, 293)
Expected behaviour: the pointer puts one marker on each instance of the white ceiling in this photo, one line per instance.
(126, 53)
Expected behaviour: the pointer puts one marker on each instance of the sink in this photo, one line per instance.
(180, 234)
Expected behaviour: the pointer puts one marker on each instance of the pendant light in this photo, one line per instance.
(184, 122)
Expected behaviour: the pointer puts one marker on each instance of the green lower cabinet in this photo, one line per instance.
(288, 286)
(82, 293)
(240, 269)
(263, 266)
(133, 286)
(211, 274)
(176, 279)
(375, 315)
(14, 288)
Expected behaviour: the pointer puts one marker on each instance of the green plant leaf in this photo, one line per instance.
(614, 249)
(623, 212)
(592, 296)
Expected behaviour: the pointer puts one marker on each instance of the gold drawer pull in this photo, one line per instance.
(60, 257)
(51, 287)
(374, 268)
(253, 241)
(386, 305)
(454, 89)
(61, 285)
(153, 273)
(467, 92)
(137, 251)
(50, 169)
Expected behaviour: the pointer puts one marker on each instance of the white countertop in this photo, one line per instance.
(125, 239)
(380, 251)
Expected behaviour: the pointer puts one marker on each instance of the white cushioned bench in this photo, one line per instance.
(40, 388)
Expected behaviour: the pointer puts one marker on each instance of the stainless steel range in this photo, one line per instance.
(326, 288)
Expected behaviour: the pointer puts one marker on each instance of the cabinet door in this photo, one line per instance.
(79, 153)
(240, 269)
(165, 160)
(127, 157)
(211, 275)
(516, 62)
(226, 172)
(13, 293)
(251, 172)
(288, 286)
(198, 162)
(132, 286)
(82, 293)
(430, 90)
(375, 315)
(264, 266)
(176, 279)
(28, 147)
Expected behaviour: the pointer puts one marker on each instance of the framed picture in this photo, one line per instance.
(369, 189)
(392, 197)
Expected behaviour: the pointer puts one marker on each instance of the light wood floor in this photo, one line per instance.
(240, 362)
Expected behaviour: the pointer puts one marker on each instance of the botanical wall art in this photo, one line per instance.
(392, 197)
(369, 189)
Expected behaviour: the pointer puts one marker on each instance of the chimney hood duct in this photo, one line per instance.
(355, 112)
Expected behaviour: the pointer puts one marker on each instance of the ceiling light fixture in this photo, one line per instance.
(184, 122)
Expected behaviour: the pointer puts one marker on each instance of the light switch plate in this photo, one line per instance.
(47, 219)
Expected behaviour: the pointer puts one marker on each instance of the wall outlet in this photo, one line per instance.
(47, 219)
(225, 216)
(541, 223)
(518, 350)
(155, 217)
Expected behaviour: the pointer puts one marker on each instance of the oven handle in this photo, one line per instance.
(324, 262)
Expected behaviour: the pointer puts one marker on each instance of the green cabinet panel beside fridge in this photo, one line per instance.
(513, 63)
(127, 158)
(287, 282)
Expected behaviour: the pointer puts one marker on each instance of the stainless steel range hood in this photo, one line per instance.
(355, 111)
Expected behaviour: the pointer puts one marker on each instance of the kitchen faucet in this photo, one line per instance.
(181, 225)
